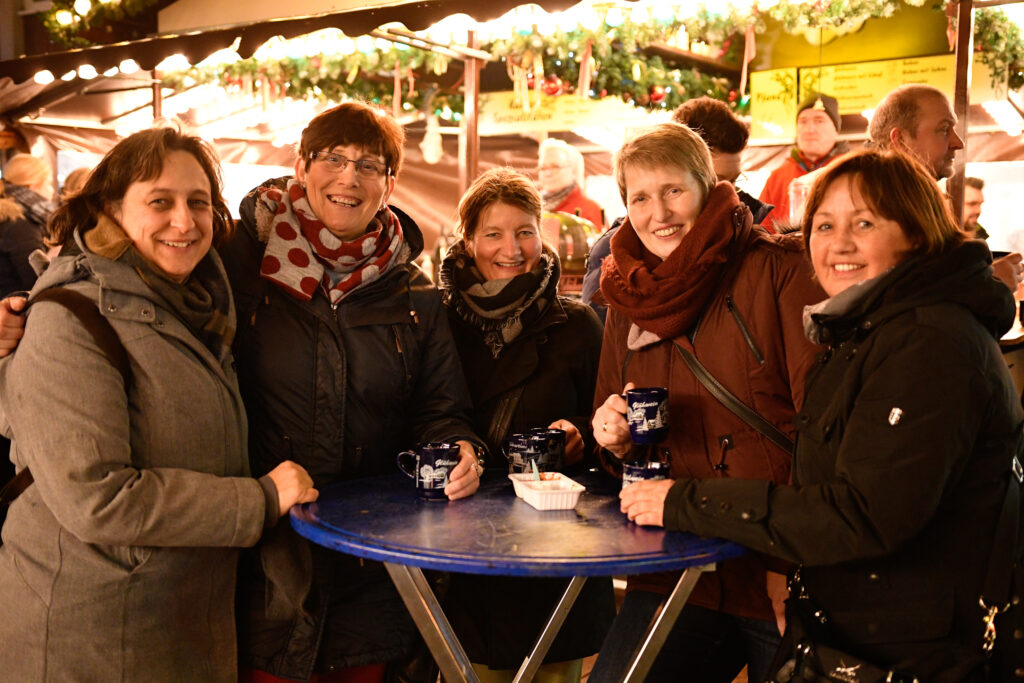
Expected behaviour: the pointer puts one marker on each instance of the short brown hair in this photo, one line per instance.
(715, 123)
(496, 185)
(897, 187)
(137, 158)
(900, 109)
(355, 123)
(976, 183)
(667, 144)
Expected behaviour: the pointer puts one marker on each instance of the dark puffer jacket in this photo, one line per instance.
(902, 462)
(341, 392)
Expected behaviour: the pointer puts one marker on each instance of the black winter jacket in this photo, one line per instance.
(19, 237)
(903, 453)
(498, 618)
(340, 392)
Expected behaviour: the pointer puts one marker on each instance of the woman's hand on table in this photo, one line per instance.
(644, 501)
(293, 484)
(778, 591)
(611, 430)
(464, 480)
(573, 440)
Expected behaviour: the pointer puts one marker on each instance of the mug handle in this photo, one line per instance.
(411, 473)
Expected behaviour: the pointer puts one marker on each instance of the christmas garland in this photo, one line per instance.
(65, 22)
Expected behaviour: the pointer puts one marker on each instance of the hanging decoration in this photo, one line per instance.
(66, 20)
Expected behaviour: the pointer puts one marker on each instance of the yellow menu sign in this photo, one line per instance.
(773, 103)
(503, 113)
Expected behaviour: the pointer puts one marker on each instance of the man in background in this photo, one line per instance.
(560, 177)
(919, 120)
(974, 197)
(817, 143)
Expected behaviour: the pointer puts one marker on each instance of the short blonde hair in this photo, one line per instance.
(27, 171)
(667, 144)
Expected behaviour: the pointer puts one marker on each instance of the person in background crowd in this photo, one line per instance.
(919, 120)
(118, 562)
(905, 439)
(345, 358)
(817, 143)
(726, 136)
(25, 207)
(530, 358)
(688, 270)
(74, 183)
(560, 175)
(974, 197)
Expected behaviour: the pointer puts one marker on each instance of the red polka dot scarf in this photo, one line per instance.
(303, 254)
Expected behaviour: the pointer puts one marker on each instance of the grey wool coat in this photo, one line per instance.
(118, 563)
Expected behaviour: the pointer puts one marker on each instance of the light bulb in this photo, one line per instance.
(82, 7)
(43, 77)
(87, 72)
(64, 17)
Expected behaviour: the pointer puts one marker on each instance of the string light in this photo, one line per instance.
(43, 77)
(87, 72)
(64, 17)
(82, 7)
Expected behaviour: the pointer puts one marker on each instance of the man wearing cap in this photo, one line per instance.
(817, 143)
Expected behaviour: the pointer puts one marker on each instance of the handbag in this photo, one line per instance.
(811, 655)
(87, 312)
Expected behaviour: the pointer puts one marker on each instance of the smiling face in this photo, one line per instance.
(663, 203)
(169, 218)
(935, 141)
(343, 199)
(816, 135)
(505, 243)
(849, 241)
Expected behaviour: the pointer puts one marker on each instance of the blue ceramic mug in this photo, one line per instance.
(647, 471)
(429, 465)
(647, 414)
(553, 449)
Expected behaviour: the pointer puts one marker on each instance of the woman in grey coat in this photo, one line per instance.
(118, 563)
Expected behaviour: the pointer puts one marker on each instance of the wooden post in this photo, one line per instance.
(469, 151)
(961, 101)
(158, 96)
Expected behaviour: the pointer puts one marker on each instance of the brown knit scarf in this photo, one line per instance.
(667, 298)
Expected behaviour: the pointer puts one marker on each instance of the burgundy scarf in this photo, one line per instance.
(303, 254)
(667, 298)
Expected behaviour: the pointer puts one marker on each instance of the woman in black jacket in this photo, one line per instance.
(344, 359)
(905, 441)
(530, 359)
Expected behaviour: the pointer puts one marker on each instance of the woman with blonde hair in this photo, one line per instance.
(530, 359)
(25, 207)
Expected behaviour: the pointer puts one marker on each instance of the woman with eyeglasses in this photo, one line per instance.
(345, 358)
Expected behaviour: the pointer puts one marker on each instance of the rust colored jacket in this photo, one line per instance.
(751, 338)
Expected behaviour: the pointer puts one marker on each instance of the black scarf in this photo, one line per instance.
(500, 309)
(202, 302)
(553, 200)
(36, 208)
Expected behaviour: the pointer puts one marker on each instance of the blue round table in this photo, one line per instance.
(494, 532)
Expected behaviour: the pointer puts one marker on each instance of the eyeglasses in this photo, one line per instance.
(550, 167)
(366, 168)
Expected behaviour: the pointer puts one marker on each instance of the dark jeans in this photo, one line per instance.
(704, 646)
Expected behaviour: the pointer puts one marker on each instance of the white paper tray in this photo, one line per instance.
(555, 491)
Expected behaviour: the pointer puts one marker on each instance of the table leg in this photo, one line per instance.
(540, 649)
(432, 623)
(659, 630)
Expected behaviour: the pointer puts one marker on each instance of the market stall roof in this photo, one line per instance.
(197, 45)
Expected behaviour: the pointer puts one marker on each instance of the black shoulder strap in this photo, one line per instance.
(106, 338)
(729, 400)
(1006, 542)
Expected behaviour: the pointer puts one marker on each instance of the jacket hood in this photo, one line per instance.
(963, 276)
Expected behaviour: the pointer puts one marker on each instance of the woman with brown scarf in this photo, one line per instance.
(530, 359)
(690, 272)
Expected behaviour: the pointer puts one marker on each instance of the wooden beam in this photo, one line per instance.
(469, 151)
(961, 101)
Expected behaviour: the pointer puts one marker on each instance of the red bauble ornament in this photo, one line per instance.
(733, 95)
(657, 94)
(552, 85)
